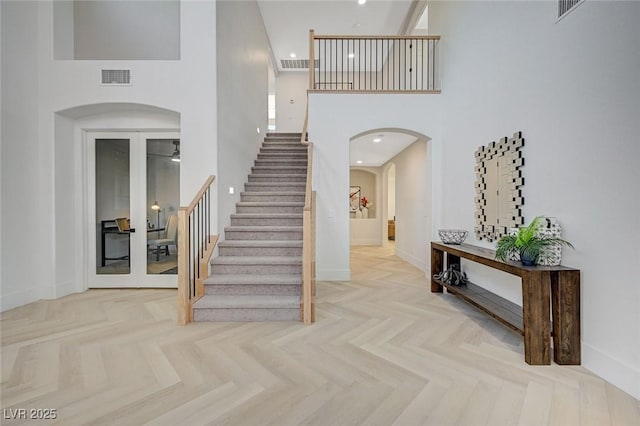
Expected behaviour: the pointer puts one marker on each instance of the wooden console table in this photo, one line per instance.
(546, 291)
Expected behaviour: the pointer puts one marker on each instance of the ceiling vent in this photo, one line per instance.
(297, 64)
(116, 77)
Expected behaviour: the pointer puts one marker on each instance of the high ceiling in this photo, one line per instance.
(288, 22)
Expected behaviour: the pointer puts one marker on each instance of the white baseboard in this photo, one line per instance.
(59, 290)
(414, 260)
(19, 298)
(616, 372)
(333, 274)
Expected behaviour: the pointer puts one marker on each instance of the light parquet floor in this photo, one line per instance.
(383, 351)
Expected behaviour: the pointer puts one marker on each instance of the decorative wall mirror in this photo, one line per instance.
(354, 198)
(499, 181)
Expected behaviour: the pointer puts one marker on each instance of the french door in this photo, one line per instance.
(133, 181)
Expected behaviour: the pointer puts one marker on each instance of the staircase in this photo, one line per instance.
(258, 273)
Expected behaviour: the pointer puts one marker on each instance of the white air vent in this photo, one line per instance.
(297, 64)
(565, 6)
(116, 77)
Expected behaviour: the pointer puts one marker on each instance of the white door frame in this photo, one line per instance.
(138, 277)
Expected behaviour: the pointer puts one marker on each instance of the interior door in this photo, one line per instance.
(125, 170)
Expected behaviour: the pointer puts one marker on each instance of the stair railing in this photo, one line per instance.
(308, 302)
(195, 247)
(380, 64)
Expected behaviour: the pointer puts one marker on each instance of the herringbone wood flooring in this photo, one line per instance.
(383, 351)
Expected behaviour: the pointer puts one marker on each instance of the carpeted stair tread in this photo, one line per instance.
(272, 193)
(266, 215)
(257, 260)
(278, 184)
(249, 279)
(260, 243)
(247, 302)
(270, 203)
(278, 177)
(259, 228)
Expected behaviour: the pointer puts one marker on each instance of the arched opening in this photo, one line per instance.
(398, 158)
(78, 225)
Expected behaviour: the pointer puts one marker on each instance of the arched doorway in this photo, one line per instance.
(125, 133)
(399, 158)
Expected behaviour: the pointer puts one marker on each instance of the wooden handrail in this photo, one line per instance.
(200, 193)
(195, 248)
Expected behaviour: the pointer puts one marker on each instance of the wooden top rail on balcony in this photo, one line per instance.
(195, 247)
(374, 63)
(376, 37)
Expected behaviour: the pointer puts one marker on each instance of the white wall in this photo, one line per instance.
(573, 91)
(20, 184)
(391, 194)
(34, 137)
(291, 99)
(333, 120)
(123, 30)
(63, 29)
(243, 70)
(413, 204)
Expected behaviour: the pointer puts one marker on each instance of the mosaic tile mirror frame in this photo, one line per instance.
(499, 183)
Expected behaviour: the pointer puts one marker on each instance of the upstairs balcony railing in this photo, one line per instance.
(391, 64)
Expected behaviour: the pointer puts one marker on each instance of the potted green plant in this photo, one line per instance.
(527, 243)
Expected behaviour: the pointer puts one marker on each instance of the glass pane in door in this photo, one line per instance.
(163, 199)
(112, 206)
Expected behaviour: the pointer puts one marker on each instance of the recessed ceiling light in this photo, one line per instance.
(376, 140)
(362, 1)
(352, 55)
(292, 55)
(359, 162)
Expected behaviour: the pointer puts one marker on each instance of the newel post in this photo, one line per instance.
(312, 61)
(184, 307)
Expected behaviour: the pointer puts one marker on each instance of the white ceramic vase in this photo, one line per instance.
(365, 213)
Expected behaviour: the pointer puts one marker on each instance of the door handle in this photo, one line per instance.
(132, 230)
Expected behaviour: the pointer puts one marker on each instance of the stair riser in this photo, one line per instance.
(279, 170)
(269, 209)
(252, 187)
(284, 162)
(266, 197)
(263, 235)
(283, 149)
(283, 140)
(252, 289)
(265, 269)
(260, 251)
(279, 155)
(266, 222)
(232, 315)
(296, 178)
